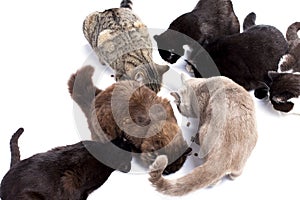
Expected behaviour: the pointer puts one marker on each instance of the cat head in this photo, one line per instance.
(283, 88)
(166, 139)
(291, 61)
(150, 75)
(186, 99)
(115, 154)
(170, 49)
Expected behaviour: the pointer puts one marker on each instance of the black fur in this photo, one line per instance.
(68, 172)
(249, 21)
(284, 86)
(209, 20)
(14, 147)
(247, 57)
(126, 4)
(292, 59)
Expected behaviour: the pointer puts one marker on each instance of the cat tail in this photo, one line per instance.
(203, 176)
(291, 33)
(82, 89)
(249, 21)
(14, 147)
(126, 4)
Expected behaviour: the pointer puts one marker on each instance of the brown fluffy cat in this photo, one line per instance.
(227, 133)
(132, 111)
(121, 40)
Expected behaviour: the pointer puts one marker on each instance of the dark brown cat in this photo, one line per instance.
(131, 111)
(68, 172)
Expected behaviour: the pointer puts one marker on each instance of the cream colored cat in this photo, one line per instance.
(227, 133)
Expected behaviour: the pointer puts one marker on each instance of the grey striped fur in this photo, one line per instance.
(121, 40)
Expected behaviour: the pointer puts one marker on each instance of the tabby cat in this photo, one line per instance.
(227, 133)
(121, 40)
(209, 20)
(133, 112)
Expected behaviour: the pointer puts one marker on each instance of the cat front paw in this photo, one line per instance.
(177, 98)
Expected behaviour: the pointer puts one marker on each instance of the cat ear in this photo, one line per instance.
(184, 77)
(273, 75)
(162, 68)
(139, 77)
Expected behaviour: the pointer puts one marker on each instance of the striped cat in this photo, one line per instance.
(121, 40)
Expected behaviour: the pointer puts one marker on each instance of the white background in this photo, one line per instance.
(42, 44)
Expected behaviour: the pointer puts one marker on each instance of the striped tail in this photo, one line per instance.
(249, 21)
(126, 4)
(14, 147)
(291, 33)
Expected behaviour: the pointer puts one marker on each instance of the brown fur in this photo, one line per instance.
(129, 110)
(227, 133)
(68, 172)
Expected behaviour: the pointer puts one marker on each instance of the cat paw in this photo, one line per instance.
(261, 93)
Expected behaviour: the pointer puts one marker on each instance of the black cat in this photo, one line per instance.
(68, 172)
(291, 61)
(285, 91)
(247, 57)
(209, 20)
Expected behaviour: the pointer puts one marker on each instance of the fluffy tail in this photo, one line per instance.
(249, 21)
(14, 147)
(203, 176)
(291, 33)
(82, 89)
(126, 4)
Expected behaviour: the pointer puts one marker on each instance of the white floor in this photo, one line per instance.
(42, 44)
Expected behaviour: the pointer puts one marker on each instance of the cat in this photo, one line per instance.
(285, 83)
(121, 40)
(291, 61)
(285, 92)
(209, 20)
(227, 133)
(247, 57)
(68, 172)
(131, 111)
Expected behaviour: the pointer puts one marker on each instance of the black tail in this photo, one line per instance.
(249, 21)
(126, 4)
(291, 33)
(14, 147)
(82, 89)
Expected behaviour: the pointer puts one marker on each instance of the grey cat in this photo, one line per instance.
(227, 133)
(121, 40)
